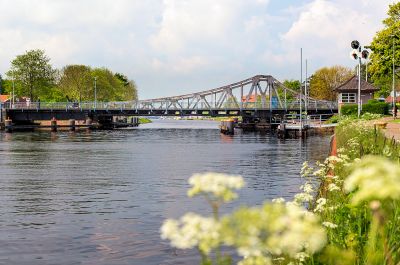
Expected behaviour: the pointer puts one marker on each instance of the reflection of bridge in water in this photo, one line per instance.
(259, 97)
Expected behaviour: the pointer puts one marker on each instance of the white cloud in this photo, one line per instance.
(325, 28)
(189, 44)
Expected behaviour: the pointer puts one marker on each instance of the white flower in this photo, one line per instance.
(303, 197)
(259, 260)
(329, 225)
(278, 200)
(218, 186)
(307, 188)
(333, 187)
(274, 230)
(321, 202)
(374, 178)
(301, 256)
(190, 231)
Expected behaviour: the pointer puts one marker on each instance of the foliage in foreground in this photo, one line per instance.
(352, 215)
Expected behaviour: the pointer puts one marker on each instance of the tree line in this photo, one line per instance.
(31, 75)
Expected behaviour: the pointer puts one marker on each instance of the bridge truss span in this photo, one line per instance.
(260, 93)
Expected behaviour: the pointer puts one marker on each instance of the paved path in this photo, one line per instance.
(392, 129)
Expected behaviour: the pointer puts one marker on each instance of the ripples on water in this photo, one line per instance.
(100, 197)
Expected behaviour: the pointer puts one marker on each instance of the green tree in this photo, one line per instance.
(76, 82)
(292, 84)
(129, 90)
(112, 87)
(325, 80)
(381, 66)
(34, 72)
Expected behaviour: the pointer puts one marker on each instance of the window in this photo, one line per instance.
(348, 98)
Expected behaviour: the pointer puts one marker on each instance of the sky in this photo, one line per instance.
(174, 47)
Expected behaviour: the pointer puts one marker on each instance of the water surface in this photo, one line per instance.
(100, 197)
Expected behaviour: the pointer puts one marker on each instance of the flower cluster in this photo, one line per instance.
(215, 185)
(190, 231)
(275, 230)
(374, 178)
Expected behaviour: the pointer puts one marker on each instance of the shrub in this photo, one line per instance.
(377, 107)
(348, 109)
(371, 107)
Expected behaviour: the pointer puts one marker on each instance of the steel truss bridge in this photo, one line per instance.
(257, 96)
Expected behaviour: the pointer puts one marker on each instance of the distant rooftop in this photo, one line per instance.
(4, 98)
(352, 85)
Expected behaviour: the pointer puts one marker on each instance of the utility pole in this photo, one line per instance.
(301, 90)
(95, 93)
(393, 83)
(306, 92)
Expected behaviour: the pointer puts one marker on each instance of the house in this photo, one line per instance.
(348, 91)
(4, 98)
(389, 99)
(251, 99)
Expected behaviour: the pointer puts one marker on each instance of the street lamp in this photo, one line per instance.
(13, 93)
(358, 53)
(393, 81)
(95, 93)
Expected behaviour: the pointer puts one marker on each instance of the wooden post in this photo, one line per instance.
(88, 123)
(53, 124)
(8, 125)
(72, 125)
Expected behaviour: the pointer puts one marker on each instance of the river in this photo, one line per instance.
(100, 197)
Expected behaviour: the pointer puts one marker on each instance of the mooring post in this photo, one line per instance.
(72, 125)
(53, 124)
(8, 125)
(89, 123)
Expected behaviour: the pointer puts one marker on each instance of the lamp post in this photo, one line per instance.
(393, 82)
(358, 53)
(95, 93)
(13, 93)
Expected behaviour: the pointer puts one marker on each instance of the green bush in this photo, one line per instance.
(371, 107)
(377, 108)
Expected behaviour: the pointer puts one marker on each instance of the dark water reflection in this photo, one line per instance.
(100, 197)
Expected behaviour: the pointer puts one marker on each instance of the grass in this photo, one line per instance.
(144, 120)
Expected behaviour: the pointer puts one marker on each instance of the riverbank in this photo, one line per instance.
(357, 200)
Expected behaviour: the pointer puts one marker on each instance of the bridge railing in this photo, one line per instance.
(167, 105)
(316, 119)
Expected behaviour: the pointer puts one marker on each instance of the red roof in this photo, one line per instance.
(389, 99)
(3, 98)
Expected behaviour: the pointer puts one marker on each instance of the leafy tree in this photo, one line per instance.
(381, 66)
(292, 84)
(325, 80)
(76, 82)
(33, 72)
(129, 91)
(112, 87)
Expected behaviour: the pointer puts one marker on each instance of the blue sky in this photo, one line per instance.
(172, 47)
